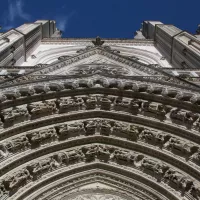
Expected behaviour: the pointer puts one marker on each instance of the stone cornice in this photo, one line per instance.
(87, 41)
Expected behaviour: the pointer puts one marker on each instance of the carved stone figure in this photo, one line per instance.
(3, 151)
(45, 165)
(153, 109)
(83, 83)
(195, 99)
(125, 157)
(105, 103)
(15, 115)
(17, 180)
(70, 130)
(26, 91)
(75, 156)
(177, 180)
(41, 89)
(42, 136)
(128, 85)
(2, 98)
(125, 104)
(182, 116)
(71, 104)
(180, 146)
(11, 95)
(103, 153)
(120, 129)
(197, 124)
(153, 137)
(90, 152)
(152, 89)
(183, 96)
(195, 191)
(71, 85)
(40, 109)
(91, 127)
(61, 158)
(113, 83)
(105, 128)
(3, 190)
(142, 87)
(168, 92)
(18, 144)
(196, 157)
(56, 87)
(133, 132)
(157, 167)
(91, 102)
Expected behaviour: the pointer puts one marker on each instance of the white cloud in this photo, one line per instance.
(15, 10)
(21, 13)
(62, 21)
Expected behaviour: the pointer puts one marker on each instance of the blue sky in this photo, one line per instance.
(106, 18)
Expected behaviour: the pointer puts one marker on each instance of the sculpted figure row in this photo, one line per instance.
(103, 82)
(103, 153)
(127, 131)
(159, 111)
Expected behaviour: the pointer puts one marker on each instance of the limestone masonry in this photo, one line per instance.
(97, 118)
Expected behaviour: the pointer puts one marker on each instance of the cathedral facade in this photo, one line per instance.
(97, 118)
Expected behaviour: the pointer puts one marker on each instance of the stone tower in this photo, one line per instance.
(97, 118)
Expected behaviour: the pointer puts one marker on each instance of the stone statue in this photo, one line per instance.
(26, 91)
(3, 190)
(91, 102)
(153, 137)
(195, 191)
(152, 89)
(15, 115)
(140, 87)
(157, 167)
(168, 92)
(2, 98)
(45, 165)
(71, 130)
(12, 95)
(18, 144)
(133, 132)
(196, 157)
(105, 103)
(105, 128)
(122, 104)
(124, 157)
(3, 151)
(182, 116)
(90, 152)
(179, 146)
(103, 153)
(41, 89)
(56, 87)
(75, 156)
(91, 127)
(40, 109)
(177, 179)
(62, 158)
(70, 85)
(17, 180)
(71, 104)
(153, 109)
(120, 129)
(42, 136)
